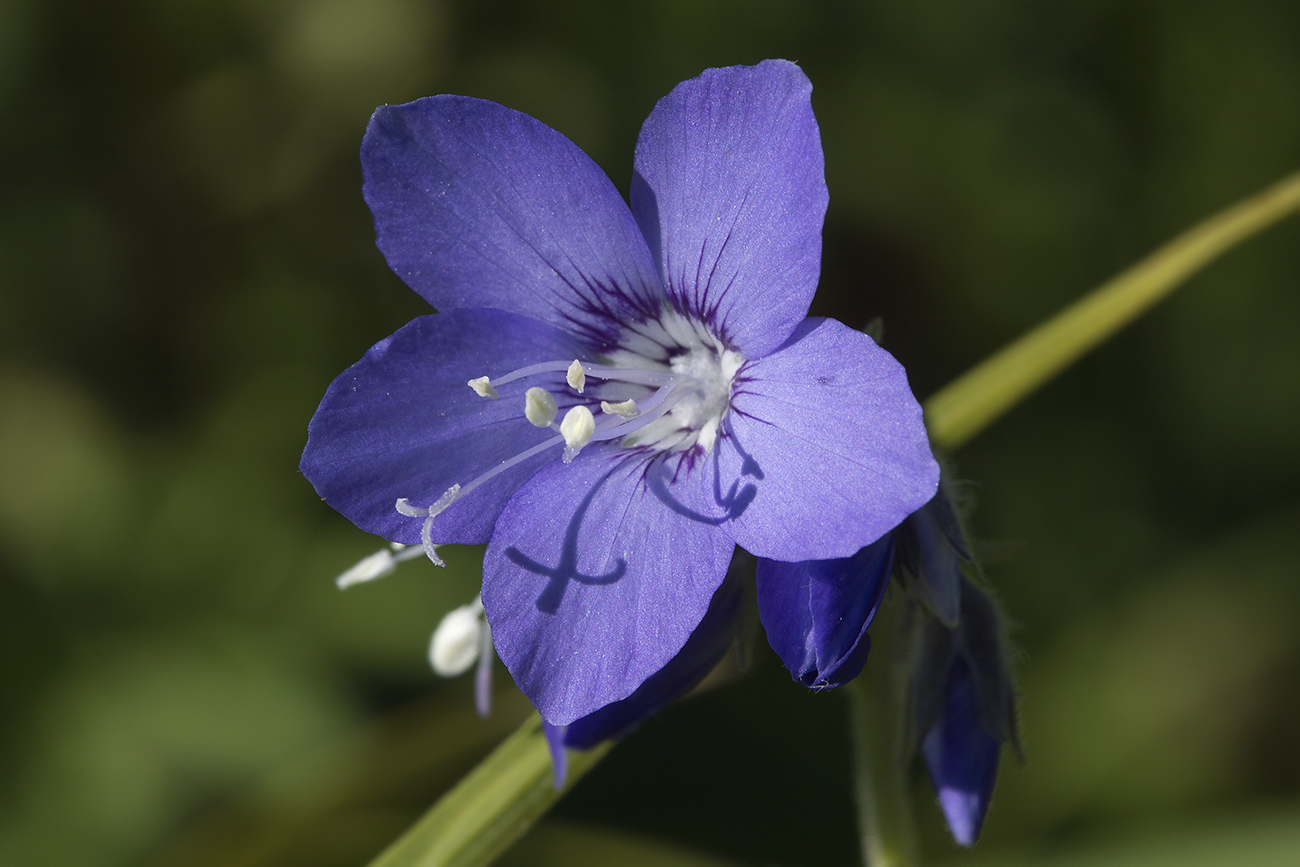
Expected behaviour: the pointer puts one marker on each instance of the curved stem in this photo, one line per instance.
(975, 399)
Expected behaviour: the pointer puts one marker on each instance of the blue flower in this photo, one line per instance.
(613, 398)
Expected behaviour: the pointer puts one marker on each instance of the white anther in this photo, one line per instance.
(578, 426)
(626, 409)
(377, 565)
(577, 376)
(539, 406)
(457, 641)
(483, 387)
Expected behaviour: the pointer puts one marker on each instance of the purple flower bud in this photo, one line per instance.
(816, 612)
(962, 757)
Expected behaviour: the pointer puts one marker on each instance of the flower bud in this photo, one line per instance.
(816, 612)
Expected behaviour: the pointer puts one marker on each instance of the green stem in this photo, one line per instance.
(491, 807)
(974, 400)
(878, 732)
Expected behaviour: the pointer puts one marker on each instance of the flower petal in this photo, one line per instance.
(478, 205)
(730, 192)
(592, 583)
(825, 450)
(816, 612)
(784, 609)
(402, 422)
(703, 650)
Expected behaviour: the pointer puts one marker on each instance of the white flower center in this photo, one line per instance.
(666, 387)
(703, 368)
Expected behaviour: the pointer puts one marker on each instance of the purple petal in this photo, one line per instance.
(825, 450)
(962, 758)
(592, 583)
(706, 646)
(478, 205)
(816, 612)
(730, 192)
(559, 758)
(402, 422)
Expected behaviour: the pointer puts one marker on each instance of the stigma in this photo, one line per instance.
(665, 385)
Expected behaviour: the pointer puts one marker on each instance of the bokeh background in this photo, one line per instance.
(186, 263)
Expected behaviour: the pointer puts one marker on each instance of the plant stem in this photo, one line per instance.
(491, 807)
(878, 732)
(974, 400)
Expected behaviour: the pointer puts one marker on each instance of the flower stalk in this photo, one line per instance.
(502, 797)
(877, 729)
(980, 396)
(491, 807)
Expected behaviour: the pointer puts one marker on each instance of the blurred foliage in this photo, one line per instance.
(186, 262)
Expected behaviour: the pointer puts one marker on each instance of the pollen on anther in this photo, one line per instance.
(626, 409)
(483, 387)
(577, 376)
(539, 407)
(577, 428)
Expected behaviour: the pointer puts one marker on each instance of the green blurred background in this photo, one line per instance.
(186, 263)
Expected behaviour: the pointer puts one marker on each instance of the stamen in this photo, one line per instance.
(626, 409)
(377, 565)
(576, 377)
(539, 406)
(483, 387)
(483, 674)
(636, 375)
(456, 643)
(577, 429)
(402, 553)
(654, 409)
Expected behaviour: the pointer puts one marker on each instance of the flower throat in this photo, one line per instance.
(665, 386)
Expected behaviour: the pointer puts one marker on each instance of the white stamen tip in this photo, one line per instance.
(457, 641)
(539, 406)
(377, 565)
(578, 426)
(483, 387)
(626, 409)
(577, 376)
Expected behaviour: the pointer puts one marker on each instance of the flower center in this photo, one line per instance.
(703, 369)
(666, 386)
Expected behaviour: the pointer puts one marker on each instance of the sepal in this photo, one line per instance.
(931, 548)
